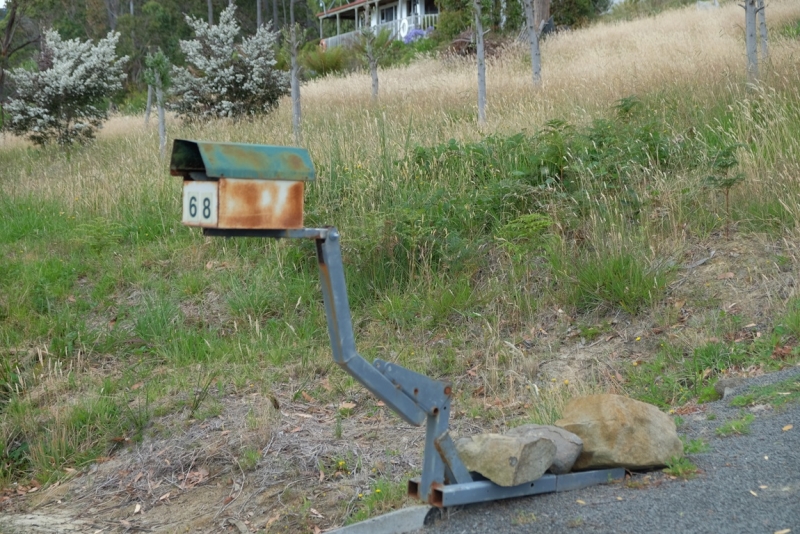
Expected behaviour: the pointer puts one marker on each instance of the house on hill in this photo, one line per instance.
(399, 16)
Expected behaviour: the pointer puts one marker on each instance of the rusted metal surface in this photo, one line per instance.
(239, 160)
(260, 204)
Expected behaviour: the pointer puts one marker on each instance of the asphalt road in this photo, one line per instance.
(748, 484)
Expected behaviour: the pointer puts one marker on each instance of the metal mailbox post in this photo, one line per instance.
(227, 192)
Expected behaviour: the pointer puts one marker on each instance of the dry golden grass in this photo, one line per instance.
(433, 100)
(583, 71)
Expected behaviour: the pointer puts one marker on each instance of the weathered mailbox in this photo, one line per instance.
(241, 186)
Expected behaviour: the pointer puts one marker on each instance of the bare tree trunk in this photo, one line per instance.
(751, 44)
(13, 11)
(533, 39)
(762, 29)
(481, 63)
(372, 53)
(210, 13)
(149, 104)
(259, 18)
(112, 9)
(162, 123)
(295, 82)
(541, 12)
(274, 15)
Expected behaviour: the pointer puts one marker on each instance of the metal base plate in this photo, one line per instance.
(485, 490)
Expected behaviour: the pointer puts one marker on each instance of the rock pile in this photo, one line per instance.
(596, 431)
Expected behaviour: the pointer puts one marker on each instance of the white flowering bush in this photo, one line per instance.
(66, 98)
(225, 78)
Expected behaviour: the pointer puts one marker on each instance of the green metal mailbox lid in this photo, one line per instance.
(240, 160)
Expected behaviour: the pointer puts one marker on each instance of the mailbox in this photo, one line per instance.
(241, 186)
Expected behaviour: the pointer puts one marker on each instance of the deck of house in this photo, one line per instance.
(398, 29)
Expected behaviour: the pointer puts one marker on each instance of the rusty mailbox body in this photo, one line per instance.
(241, 186)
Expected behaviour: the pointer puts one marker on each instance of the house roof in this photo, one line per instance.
(346, 7)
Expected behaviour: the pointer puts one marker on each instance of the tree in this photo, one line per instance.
(226, 79)
(373, 46)
(156, 75)
(533, 39)
(751, 43)
(762, 29)
(294, 43)
(481, 63)
(10, 46)
(65, 99)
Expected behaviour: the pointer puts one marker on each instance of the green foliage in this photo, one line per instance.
(736, 426)
(227, 76)
(322, 62)
(455, 16)
(64, 100)
(791, 31)
(789, 324)
(382, 497)
(694, 446)
(778, 394)
(612, 281)
(631, 9)
(157, 70)
(572, 12)
(681, 467)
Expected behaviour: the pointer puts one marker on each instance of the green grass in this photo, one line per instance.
(694, 446)
(778, 394)
(383, 496)
(736, 426)
(681, 468)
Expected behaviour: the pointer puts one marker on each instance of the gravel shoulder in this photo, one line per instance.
(748, 484)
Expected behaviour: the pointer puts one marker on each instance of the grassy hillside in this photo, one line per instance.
(629, 227)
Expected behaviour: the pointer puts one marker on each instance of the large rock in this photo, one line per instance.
(620, 432)
(568, 445)
(506, 461)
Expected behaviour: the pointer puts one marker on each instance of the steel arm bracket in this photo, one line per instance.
(416, 398)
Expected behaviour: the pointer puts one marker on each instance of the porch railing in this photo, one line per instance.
(420, 22)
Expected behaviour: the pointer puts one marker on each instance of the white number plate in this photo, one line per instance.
(200, 204)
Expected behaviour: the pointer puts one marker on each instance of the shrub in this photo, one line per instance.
(321, 62)
(226, 79)
(65, 99)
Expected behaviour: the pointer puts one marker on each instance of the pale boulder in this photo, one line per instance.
(620, 432)
(506, 461)
(568, 445)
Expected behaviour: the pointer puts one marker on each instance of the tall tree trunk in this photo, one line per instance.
(762, 29)
(541, 13)
(13, 12)
(533, 39)
(112, 9)
(751, 43)
(162, 124)
(210, 13)
(149, 104)
(372, 53)
(259, 19)
(481, 63)
(274, 15)
(295, 82)
(131, 6)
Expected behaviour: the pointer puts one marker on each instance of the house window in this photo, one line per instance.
(388, 14)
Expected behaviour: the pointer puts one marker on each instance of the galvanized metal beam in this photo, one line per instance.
(416, 398)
